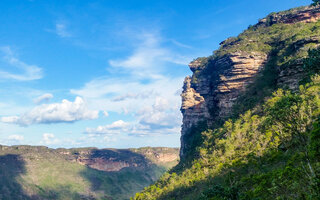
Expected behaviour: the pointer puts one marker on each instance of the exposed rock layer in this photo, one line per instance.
(103, 159)
(115, 160)
(304, 14)
(211, 92)
(217, 81)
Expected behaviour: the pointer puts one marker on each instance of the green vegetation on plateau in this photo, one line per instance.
(28, 172)
(270, 146)
(270, 155)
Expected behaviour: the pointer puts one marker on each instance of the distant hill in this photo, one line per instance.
(37, 172)
(251, 116)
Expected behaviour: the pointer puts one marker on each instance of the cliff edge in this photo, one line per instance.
(218, 81)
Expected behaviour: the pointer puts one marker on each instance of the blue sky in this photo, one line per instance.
(107, 73)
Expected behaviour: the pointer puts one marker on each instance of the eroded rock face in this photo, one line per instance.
(234, 79)
(289, 76)
(116, 160)
(104, 164)
(305, 14)
(217, 81)
(215, 86)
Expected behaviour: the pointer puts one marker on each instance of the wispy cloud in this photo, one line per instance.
(105, 113)
(15, 138)
(28, 72)
(61, 30)
(49, 139)
(160, 115)
(112, 94)
(159, 118)
(65, 111)
(129, 128)
(131, 95)
(43, 98)
(147, 93)
(110, 129)
(179, 44)
(149, 56)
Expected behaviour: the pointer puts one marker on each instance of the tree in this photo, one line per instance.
(316, 2)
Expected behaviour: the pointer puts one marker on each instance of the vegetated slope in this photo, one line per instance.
(28, 172)
(251, 116)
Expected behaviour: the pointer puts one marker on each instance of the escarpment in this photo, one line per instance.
(209, 94)
(116, 160)
(80, 173)
(275, 42)
(302, 14)
(108, 160)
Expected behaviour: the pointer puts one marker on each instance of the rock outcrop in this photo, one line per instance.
(303, 14)
(115, 159)
(214, 86)
(109, 160)
(209, 94)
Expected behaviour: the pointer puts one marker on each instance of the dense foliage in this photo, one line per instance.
(315, 2)
(269, 152)
(285, 46)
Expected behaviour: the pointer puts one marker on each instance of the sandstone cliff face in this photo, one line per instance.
(109, 160)
(116, 160)
(289, 77)
(303, 14)
(217, 81)
(211, 91)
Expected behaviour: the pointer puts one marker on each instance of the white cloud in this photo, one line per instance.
(65, 111)
(29, 72)
(160, 118)
(148, 56)
(146, 90)
(10, 119)
(49, 139)
(160, 115)
(61, 30)
(156, 113)
(118, 125)
(131, 95)
(43, 98)
(130, 128)
(111, 129)
(180, 44)
(112, 94)
(15, 138)
(105, 113)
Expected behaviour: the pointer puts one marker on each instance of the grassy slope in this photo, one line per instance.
(271, 150)
(41, 173)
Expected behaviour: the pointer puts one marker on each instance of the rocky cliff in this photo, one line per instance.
(276, 42)
(251, 116)
(109, 160)
(38, 172)
(117, 159)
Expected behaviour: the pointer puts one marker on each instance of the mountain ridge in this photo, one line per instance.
(218, 80)
(39, 172)
(251, 116)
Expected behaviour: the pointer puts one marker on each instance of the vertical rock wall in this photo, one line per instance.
(215, 85)
(217, 81)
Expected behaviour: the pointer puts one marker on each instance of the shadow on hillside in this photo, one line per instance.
(269, 175)
(107, 185)
(125, 182)
(11, 167)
